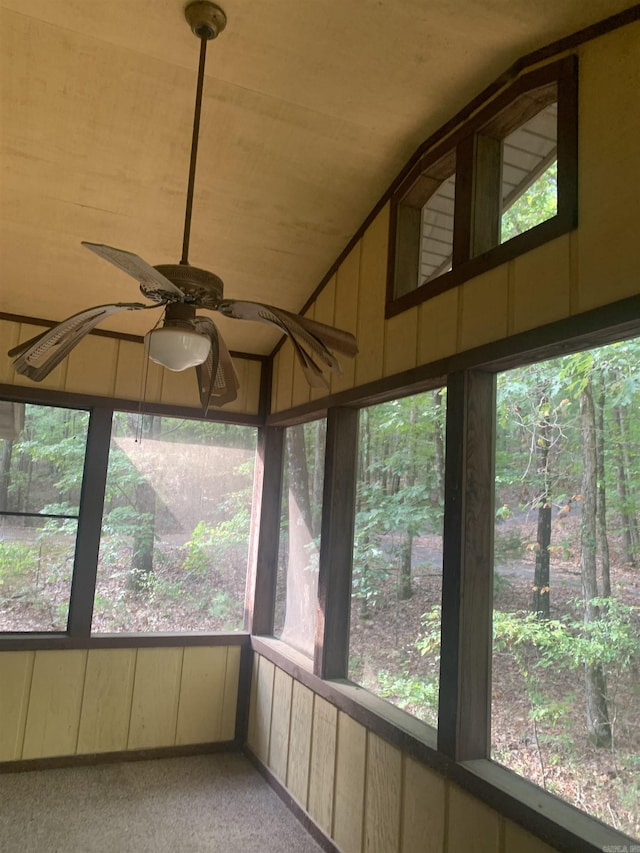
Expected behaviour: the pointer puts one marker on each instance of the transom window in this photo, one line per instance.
(504, 183)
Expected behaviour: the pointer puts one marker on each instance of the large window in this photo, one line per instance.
(42, 450)
(175, 529)
(566, 693)
(397, 560)
(300, 519)
(501, 184)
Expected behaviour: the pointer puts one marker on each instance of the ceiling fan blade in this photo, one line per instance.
(134, 266)
(37, 357)
(313, 337)
(311, 370)
(218, 381)
(335, 339)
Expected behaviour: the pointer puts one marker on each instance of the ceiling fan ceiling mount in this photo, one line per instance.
(206, 19)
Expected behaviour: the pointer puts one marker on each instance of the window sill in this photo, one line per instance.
(546, 231)
(42, 642)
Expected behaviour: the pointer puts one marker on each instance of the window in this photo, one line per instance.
(423, 223)
(530, 173)
(566, 608)
(436, 232)
(300, 519)
(514, 188)
(397, 561)
(175, 528)
(42, 450)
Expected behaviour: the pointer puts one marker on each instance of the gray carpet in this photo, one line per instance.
(207, 803)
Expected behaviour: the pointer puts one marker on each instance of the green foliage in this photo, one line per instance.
(214, 546)
(419, 695)
(567, 645)
(47, 459)
(399, 493)
(16, 566)
(198, 557)
(429, 641)
(535, 205)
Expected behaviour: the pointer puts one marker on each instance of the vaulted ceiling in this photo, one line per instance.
(310, 110)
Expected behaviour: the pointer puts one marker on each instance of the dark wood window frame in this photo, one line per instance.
(461, 747)
(473, 152)
(81, 599)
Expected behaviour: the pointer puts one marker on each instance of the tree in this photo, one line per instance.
(304, 467)
(533, 412)
(598, 725)
(144, 533)
(400, 490)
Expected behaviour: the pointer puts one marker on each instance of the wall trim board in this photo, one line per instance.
(312, 828)
(118, 336)
(244, 692)
(616, 321)
(90, 759)
(554, 821)
(541, 55)
(18, 642)
(71, 400)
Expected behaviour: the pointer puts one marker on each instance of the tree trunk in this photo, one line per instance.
(5, 474)
(628, 468)
(364, 478)
(141, 569)
(598, 725)
(601, 502)
(540, 602)
(622, 488)
(405, 590)
(438, 442)
(318, 476)
(302, 564)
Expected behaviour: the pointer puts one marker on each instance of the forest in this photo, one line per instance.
(175, 525)
(566, 626)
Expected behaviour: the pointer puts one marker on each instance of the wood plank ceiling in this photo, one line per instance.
(310, 110)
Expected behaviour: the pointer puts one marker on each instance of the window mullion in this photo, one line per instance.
(85, 564)
(465, 664)
(265, 527)
(336, 544)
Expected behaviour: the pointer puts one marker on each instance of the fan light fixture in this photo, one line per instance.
(177, 349)
(187, 340)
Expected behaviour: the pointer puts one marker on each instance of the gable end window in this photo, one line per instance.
(503, 183)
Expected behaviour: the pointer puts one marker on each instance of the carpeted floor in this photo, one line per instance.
(180, 805)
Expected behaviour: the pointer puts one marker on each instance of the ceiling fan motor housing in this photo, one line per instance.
(199, 287)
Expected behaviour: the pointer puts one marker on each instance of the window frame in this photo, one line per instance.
(461, 746)
(475, 150)
(83, 582)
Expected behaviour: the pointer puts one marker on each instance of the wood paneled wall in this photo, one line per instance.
(109, 367)
(74, 702)
(597, 264)
(364, 793)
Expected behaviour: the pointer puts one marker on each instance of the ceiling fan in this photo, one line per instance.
(186, 339)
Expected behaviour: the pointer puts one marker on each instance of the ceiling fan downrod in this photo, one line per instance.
(207, 21)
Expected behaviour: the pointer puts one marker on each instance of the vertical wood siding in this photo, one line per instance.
(108, 367)
(595, 265)
(74, 702)
(365, 794)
